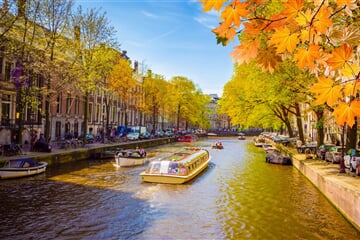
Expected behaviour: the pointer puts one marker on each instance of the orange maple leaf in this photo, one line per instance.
(306, 57)
(245, 52)
(326, 91)
(346, 113)
(209, 4)
(292, 7)
(252, 28)
(268, 59)
(340, 56)
(322, 21)
(232, 14)
(225, 31)
(284, 40)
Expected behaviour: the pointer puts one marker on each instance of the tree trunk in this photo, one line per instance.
(299, 122)
(85, 123)
(351, 134)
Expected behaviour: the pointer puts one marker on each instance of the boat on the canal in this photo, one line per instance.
(130, 158)
(106, 154)
(217, 145)
(187, 138)
(241, 136)
(273, 155)
(178, 168)
(15, 168)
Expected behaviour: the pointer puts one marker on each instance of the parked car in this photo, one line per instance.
(334, 154)
(275, 156)
(352, 160)
(169, 133)
(309, 147)
(133, 136)
(320, 153)
(145, 135)
(160, 133)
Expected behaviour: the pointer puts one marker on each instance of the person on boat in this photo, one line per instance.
(141, 151)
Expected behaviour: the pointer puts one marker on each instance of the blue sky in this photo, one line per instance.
(170, 37)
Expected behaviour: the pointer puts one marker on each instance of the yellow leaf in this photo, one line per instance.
(307, 57)
(209, 4)
(346, 113)
(304, 18)
(292, 7)
(340, 56)
(351, 69)
(326, 91)
(284, 40)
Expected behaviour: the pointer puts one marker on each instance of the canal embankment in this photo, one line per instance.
(341, 189)
(90, 151)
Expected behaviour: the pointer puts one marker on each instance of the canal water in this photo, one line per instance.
(239, 196)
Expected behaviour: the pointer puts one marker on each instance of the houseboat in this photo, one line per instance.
(178, 168)
(130, 158)
(15, 168)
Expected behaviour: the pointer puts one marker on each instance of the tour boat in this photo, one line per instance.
(15, 168)
(130, 158)
(178, 168)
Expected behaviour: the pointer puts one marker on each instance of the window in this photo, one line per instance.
(8, 69)
(58, 108)
(68, 104)
(77, 105)
(58, 129)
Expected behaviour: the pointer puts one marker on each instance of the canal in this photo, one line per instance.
(238, 197)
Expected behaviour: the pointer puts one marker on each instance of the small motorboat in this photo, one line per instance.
(217, 145)
(241, 136)
(15, 168)
(130, 157)
(273, 155)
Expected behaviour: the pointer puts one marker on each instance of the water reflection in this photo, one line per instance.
(238, 197)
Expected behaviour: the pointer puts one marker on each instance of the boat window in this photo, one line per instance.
(155, 167)
(164, 167)
(173, 168)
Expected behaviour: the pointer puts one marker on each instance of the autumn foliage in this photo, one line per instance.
(321, 36)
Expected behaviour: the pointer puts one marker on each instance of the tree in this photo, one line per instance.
(320, 36)
(91, 32)
(20, 41)
(122, 83)
(54, 20)
(186, 101)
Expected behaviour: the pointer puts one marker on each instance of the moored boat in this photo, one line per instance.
(187, 138)
(178, 168)
(15, 168)
(130, 158)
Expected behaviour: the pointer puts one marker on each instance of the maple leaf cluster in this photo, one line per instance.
(321, 36)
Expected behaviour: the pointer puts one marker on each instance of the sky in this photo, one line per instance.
(171, 38)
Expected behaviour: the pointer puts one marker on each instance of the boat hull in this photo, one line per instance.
(8, 173)
(173, 179)
(129, 162)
